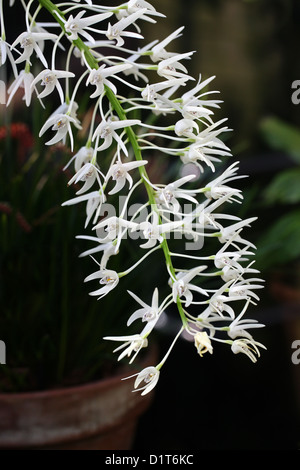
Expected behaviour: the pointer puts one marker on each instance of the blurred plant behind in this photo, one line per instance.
(278, 242)
(52, 328)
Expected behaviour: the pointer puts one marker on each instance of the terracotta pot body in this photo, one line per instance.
(97, 416)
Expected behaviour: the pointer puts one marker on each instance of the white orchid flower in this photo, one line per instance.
(208, 218)
(136, 5)
(182, 286)
(69, 109)
(218, 187)
(148, 313)
(231, 259)
(210, 133)
(79, 25)
(49, 80)
(23, 80)
(244, 287)
(29, 41)
(94, 202)
(116, 31)
(151, 93)
(108, 249)
(238, 327)
(167, 195)
(108, 278)
(149, 376)
(119, 173)
(115, 228)
(4, 48)
(132, 343)
(154, 231)
(207, 148)
(61, 123)
(191, 97)
(248, 347)
(201, 152)
(194, 111)
(84, 155)
(89, 173)
(229, 273)
(231, 232)
(202, 343)
(172, 68)
(158, 52)
(185, 127)
(98, 77)
(217, 304)
(6, 53)
(106, 130)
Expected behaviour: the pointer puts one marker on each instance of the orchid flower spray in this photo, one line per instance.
(144, 105)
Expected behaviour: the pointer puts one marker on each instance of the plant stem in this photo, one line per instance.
(2, 27)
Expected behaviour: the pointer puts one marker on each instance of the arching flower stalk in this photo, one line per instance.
(107, 46)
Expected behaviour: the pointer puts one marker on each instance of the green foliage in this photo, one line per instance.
(280, 135)
(280, 243)
(51, 326)
(284, 188)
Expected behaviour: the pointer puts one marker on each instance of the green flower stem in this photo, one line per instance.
(2, 26)
(92, 62)
(27, 67)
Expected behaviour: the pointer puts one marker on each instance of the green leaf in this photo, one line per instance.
(284, 188)
(280, 244)
(280, 135)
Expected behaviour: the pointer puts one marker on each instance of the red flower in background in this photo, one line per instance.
(20, 132)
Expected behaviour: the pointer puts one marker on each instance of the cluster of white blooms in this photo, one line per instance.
(98, 45)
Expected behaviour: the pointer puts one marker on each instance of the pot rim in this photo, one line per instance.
(101, 384)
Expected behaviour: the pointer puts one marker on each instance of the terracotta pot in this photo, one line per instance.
(98, 416)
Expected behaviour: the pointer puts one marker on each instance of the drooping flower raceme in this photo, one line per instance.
(134, 119)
